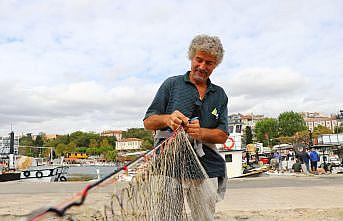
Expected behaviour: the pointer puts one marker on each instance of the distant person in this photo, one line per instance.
(304, 160)
(307, 159)
(314, 157)
(296, 167)
(277, 157)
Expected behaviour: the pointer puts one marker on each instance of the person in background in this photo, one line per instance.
(307, 159)
(314, 158)
(296, 167)
(304, 159)
(277, 157)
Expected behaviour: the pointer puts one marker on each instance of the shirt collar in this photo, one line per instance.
(210, 86)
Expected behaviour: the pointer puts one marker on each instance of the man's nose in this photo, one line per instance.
(202, 65)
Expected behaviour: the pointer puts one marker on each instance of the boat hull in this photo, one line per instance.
(9, 177)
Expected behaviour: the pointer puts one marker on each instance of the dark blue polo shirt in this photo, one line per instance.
(179, 93)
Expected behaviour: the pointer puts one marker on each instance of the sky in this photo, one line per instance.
(96, 65)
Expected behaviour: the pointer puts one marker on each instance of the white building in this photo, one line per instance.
(237, 124)
(112, 133)
(129, 144)
(314, 119)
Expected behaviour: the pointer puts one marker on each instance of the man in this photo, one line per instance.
(304, 160)
(296, 167)
(314, 158)
(277, 157)
(193, 101)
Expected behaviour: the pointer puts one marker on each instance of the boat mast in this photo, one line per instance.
(11, 155)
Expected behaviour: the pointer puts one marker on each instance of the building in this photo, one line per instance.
(237, 124)
(314, 119)
(112, 133)
(234, 142)
(251, 119)
(129, 144)
(50, 136)
(5, 145)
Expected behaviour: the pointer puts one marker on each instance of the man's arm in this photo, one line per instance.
(206, 134)
(173, 120)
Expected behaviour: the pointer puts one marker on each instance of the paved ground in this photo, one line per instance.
(254, 199)
(283, 199)
(286, 181)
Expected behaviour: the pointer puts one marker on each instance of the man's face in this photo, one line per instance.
(202, 66)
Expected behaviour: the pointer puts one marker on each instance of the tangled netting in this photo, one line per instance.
(170, 184)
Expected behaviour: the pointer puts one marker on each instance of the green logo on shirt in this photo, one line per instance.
(215, 112)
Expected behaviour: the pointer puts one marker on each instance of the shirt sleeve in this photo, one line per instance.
(160, 102)
(223, 117)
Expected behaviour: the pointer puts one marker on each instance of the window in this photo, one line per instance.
(228, 158)
(238, 128)
(230, 129)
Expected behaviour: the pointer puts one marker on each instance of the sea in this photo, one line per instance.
(90, 170)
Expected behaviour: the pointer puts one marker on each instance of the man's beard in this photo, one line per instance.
(199, 78)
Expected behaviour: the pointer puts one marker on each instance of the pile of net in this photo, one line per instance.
(170, 184)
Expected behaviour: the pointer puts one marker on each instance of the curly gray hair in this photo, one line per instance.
(208, 44)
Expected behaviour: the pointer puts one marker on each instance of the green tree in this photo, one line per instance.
(111, 155)
(266, 131)
(39, 141)
(91, 151)
(338, 129)
(81, 149)
(290, 123)
(321, 130)
(78, 138)
(61, 149)
(71, 147)
(50, 143)
(146, 145)
(64, 139)
(301, 139)
(104, 143)
(93, 143)
(26, 140)
(248, 135)
(112, 140)
(283, 139)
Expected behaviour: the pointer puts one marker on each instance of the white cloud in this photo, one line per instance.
(262, 83)
(67, 65)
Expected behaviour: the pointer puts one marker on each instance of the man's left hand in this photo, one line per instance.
(194, 130)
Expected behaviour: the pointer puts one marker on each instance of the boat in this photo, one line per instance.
(11, 171)
(45, 174)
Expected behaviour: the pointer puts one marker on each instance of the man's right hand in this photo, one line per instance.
(175, 119)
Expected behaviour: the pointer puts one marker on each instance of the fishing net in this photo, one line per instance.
(170, 184)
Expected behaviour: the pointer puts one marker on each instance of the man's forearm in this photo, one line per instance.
(155, 122)
(213, 135)
(158, 121)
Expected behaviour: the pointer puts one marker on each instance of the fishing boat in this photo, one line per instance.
(37, 173)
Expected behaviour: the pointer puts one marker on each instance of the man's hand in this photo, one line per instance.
(175, 119)
(194, 130)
